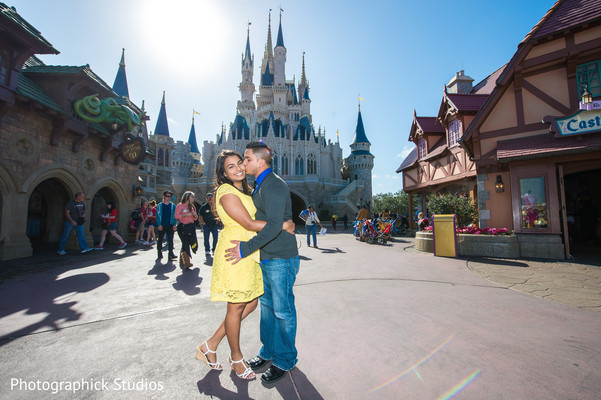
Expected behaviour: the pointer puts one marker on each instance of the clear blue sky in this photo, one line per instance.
(396, 54)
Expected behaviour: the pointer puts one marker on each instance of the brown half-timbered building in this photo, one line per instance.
(536, 146)
(438, 164)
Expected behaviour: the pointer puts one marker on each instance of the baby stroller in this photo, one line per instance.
(370, 232)
(384, 232)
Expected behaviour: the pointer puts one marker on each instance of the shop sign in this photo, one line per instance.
(579, 123)
(132, 150)
(595, 105)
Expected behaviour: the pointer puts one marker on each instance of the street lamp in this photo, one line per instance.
(138, 190)
(499, 186)
(586, 97)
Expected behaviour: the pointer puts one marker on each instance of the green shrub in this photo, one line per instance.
(463, 207)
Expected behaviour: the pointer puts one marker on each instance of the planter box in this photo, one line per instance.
(500, 246)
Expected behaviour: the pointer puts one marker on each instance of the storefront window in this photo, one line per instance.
(534, 203)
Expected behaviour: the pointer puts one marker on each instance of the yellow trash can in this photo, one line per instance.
(445, 237)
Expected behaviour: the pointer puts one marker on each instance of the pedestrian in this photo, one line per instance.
(422, 222)
(363, 214)
(166, 224)
(239, 285)
(143, 211)
(334, 220)
(185, 213)
(75, 213)
(279, 264)
(151, 222)
(110, 225)
(209, 224)
(345, 221)
(311, 226)
(385, 215)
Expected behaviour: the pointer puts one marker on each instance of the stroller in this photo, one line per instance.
(372, 234)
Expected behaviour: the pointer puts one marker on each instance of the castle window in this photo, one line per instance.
(588, 75)
(454, 132)
(421, 148)
(311, 165)
(160, 157)
(166, 158)
(299, 166)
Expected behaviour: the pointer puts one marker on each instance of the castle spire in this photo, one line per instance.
(303, 81)
(247, 55)
(192, 139)
(360, 136)
(280, 40)
(120, 84)
(162, 127)
(268, 47)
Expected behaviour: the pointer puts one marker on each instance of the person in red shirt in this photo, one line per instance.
(110, 225)
(151, 222)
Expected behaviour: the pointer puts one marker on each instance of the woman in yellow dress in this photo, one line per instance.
(240, 284)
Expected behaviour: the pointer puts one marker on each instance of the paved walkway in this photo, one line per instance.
(375, 322)
(565, 282)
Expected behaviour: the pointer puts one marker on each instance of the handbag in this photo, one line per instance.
(105, 225)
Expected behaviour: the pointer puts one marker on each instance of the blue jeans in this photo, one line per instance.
(278, 313)
(213, 230)
(81, 237)
(311, 230)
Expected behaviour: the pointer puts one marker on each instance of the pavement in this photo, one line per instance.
(374, 322)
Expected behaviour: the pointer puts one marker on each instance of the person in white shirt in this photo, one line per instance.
(311, 223)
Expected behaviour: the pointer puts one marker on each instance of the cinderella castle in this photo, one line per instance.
(279, 115)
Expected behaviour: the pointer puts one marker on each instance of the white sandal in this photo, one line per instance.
(247, 372)
(201, 355)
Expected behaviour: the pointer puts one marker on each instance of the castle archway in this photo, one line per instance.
(298, 205)
(46, 213)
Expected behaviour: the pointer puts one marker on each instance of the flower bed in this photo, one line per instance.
(472, 230)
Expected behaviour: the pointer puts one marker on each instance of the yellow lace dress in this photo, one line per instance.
(241, 282)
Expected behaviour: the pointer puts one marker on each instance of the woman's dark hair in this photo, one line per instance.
(110, 203)
(220, 176)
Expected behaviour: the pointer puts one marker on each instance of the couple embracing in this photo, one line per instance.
(257, 222)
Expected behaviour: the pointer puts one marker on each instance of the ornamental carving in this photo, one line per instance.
(107, 111)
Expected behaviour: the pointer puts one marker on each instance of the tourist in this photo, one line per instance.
(363, 214)
(345, 221)
(279, 262)
(240, 284)
(185, 213)
(151, 222)
(75, 213)
(422, 222)
(209, 223)
(334, 220)
(311, 226)
(166, 224)
(110, 225)
(143, 211)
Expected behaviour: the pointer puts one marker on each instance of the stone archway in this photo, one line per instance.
(298, 205)
(46, 213)
(104, 191)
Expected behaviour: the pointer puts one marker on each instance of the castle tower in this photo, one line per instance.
(361, 161)
(247, 88)
(164, 149)
(120, 84)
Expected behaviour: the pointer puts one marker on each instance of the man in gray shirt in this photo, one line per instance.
(279, 263)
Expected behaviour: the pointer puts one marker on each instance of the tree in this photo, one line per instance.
(395, 202)
(463, 207)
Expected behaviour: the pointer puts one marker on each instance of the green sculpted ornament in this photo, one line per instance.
(92, 109)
